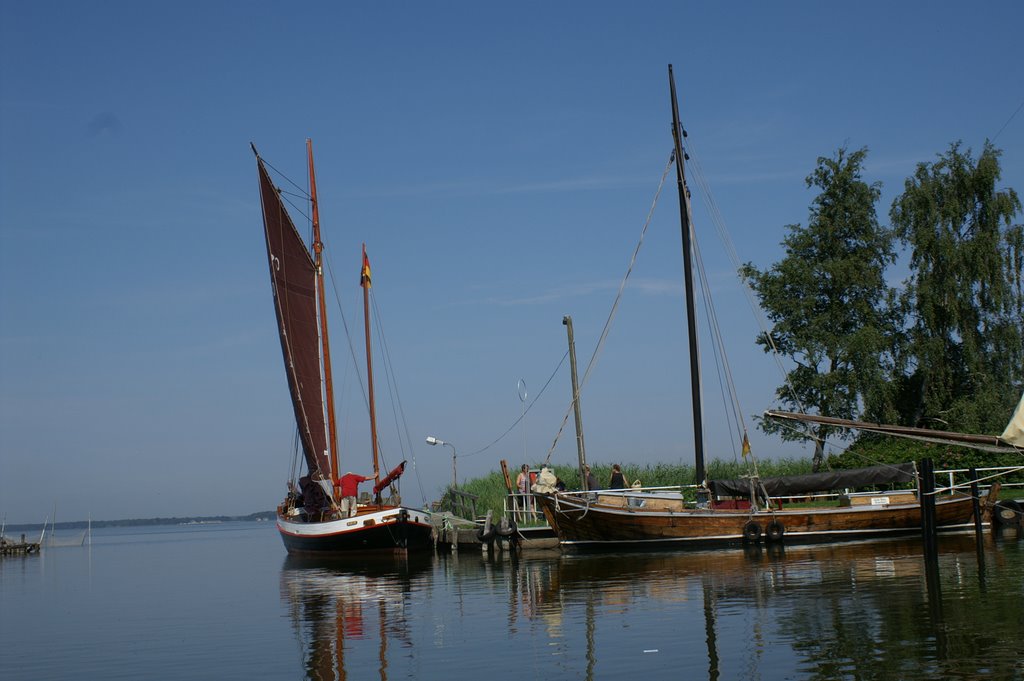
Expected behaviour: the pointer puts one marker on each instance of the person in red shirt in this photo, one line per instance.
(349, 484)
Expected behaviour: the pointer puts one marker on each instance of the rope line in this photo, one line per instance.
(525, 412)
(611, 314)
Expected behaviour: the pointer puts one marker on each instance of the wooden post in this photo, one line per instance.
(927, 496)
(979, 538)
(581, 450)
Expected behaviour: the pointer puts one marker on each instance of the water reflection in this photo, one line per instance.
(333, 605)
(870, 610)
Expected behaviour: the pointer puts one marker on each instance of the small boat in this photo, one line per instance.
(746, 510)
(313, 520)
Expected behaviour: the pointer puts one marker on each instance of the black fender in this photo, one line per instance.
(1006, 513)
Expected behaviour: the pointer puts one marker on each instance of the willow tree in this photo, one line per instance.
(828, 301)
(965, 360)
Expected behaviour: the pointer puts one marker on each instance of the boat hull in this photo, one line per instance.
(583, 525)
(393, 529)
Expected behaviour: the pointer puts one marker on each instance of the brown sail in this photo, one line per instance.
(292, 275)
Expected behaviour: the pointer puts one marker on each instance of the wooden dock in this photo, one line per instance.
(459, 534)
(9, 547)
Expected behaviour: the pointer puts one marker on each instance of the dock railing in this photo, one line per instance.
(522, 507)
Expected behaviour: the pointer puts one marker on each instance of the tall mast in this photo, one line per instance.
(325, 346)
(691, 310)
(581, 450)
(364, 281)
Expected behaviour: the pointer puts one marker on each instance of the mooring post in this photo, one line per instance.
(927, 494)
(979, 538)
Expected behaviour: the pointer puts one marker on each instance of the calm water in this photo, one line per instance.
(223, 601)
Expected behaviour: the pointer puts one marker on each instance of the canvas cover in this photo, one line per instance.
(794, 485)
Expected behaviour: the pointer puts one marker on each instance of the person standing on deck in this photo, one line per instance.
(618, 480)
(349, 484)
(523, 482)
(591, 479)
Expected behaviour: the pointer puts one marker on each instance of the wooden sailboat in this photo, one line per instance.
(630, 519)
(311, 519)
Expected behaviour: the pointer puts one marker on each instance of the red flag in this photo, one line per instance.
(364, 279)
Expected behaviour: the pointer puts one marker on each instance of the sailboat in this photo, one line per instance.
(312, 519)
(734, 512)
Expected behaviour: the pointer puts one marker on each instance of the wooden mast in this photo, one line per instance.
(325, 346)
(691, 311)
(581, 449)
(364, 281)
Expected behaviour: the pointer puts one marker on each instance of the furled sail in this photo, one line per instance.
(790, 485)
(292, 275)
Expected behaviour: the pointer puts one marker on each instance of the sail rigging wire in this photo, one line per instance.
(711, 205)
(724, 236)
(611, 314)
(305, 194)
(388, 369)
(724, 370)
(525, 411)
(396, 397)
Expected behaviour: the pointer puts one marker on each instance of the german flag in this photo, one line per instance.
(364, 279)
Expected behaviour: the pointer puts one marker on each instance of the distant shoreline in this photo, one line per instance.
(143, 522)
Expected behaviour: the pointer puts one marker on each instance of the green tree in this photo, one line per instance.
(964, 366)
(831, 310)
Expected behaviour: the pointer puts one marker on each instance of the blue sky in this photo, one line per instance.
(498, 160)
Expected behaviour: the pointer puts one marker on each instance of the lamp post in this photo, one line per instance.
(431, 440)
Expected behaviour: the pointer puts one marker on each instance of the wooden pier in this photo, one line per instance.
(8, 547)
(458, 534)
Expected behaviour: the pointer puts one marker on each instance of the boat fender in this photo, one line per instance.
(507, 527)
(485, 536)
(1007, 513)
(774, 531)
(751, 532)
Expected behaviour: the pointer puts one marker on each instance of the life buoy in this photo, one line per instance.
(1007, 513)
(774, 531)
(751, 532)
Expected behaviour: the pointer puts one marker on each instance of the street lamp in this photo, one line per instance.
(431, 440)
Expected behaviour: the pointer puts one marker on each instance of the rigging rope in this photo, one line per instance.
(730, 248)
(611, 314)
(396, 398)
(525, 411)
